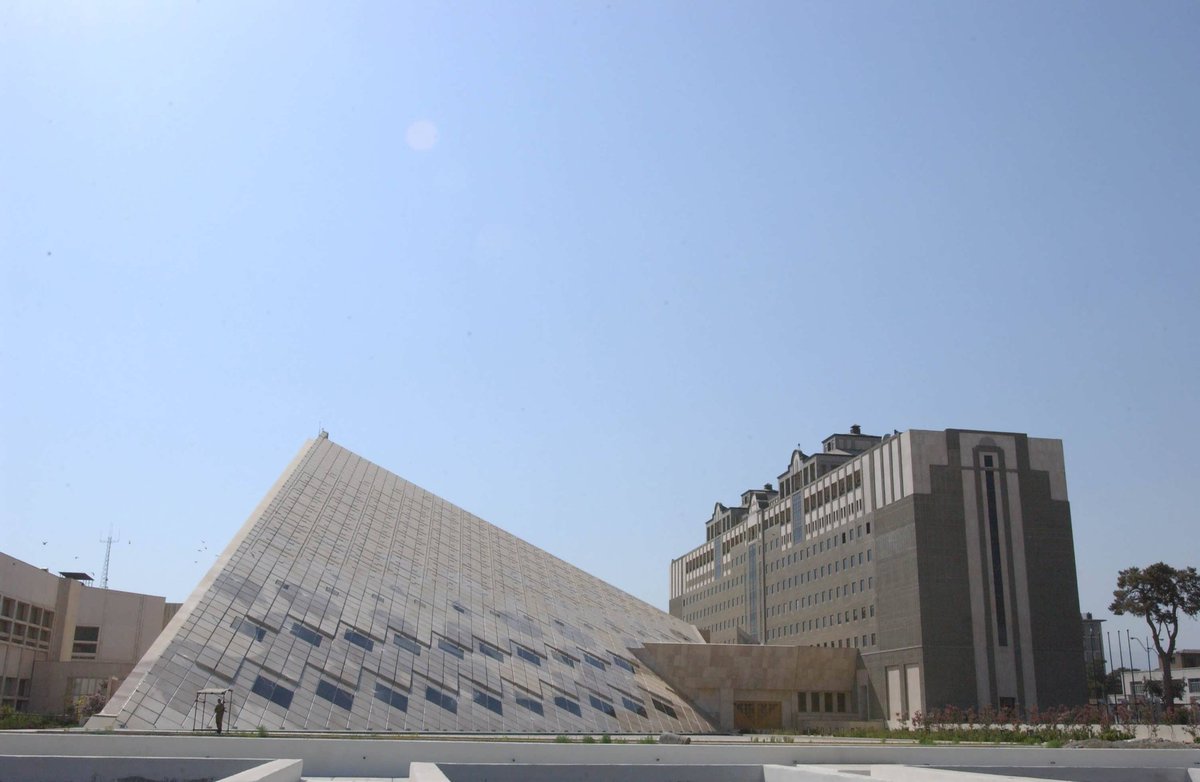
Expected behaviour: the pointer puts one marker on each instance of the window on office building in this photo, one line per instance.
(87, 640)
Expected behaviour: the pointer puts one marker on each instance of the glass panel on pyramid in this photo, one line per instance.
(354, 600)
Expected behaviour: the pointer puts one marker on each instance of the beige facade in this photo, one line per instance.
(746, 687)
(61, 639)
(943, 559)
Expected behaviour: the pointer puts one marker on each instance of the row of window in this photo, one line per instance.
(25, 624)
(397, 699)
(832, 568)
(817, 547)
(728, 583)
(712, 609)
(414, 647)
(855, 641)
(703, 558)
(833, 491)
(828, 702)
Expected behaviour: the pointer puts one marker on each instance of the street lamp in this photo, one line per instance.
(1146, 694)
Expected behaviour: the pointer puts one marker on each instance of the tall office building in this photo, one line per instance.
(945, 559)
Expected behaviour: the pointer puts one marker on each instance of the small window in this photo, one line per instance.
(602, 705)
(397, 700)
(592, 659)
(488, 701)
(305, 634)
(633, 705)
(407, 644)
(491, 651)
(528, 656)
(621, 662)
(664, 707)
(566, 704)
(446, 701)
(358, 639)
(334, 694)
(449, 647)
(529, 703)
(565, 659)
(87, 639)
(275, 693)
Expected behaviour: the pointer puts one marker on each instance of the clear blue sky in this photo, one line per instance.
(585, 268)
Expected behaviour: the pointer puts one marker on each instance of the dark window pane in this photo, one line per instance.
(591, 659)
(568, 705)
(491, 651)
(665, 708)
(633, 706)
(488, 702)
(602, 705)
(451, 648)
(358, 639)
(396, 700)
(562, 658)
(407, 644)
(531, 704)
(305, 634)
(447, 702)
(529, 656)
(623, 663)
(273, 692)
(334, 694)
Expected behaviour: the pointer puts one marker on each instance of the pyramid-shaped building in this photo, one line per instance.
(354, 600)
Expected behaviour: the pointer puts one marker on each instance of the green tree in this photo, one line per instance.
(1159, 594)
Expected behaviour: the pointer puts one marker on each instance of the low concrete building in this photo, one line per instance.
(61, 639)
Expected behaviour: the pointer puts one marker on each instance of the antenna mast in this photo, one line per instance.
(107, 556)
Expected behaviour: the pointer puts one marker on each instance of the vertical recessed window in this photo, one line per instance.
(993, 519)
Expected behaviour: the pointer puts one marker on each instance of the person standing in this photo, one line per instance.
(219, 713)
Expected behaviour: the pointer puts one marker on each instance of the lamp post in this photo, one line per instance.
(1147, 648)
